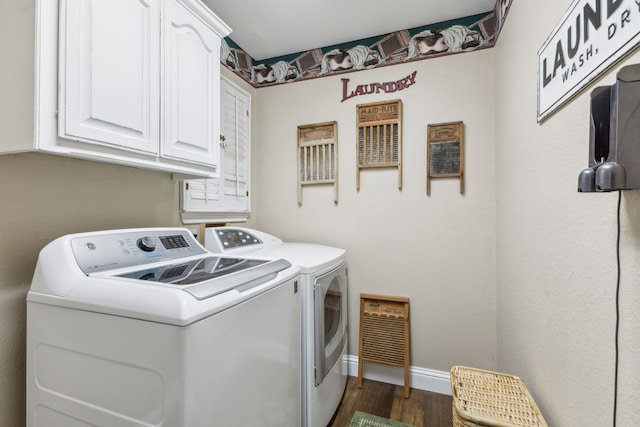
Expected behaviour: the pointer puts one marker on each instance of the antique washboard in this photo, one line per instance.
(318, 156)
(379, 137)
(393, 44)
(445, 152)
(309, 62)
(384, 333)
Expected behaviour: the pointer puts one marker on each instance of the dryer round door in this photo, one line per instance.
(330, 315)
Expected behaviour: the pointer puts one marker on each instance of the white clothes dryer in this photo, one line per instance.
(324, 311)
(144, 327)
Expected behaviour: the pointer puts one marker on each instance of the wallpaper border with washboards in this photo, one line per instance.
(425, 42)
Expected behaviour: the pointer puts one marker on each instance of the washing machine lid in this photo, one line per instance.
(161, 275)
(208, 276)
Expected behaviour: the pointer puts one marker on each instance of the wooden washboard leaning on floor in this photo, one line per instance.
(384, 333)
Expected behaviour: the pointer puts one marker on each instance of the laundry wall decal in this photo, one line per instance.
(371, 88)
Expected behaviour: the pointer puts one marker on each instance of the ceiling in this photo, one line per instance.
(271, 28)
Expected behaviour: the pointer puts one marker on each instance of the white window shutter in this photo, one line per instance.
(228, 194)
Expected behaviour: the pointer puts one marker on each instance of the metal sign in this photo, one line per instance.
(591, 37)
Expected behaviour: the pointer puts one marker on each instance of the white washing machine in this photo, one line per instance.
(324, 311)
(144, 327)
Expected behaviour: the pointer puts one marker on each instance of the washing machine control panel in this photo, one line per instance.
(101, 252)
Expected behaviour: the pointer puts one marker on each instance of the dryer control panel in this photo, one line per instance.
(234, 238)
(238, 240)
(101, 252)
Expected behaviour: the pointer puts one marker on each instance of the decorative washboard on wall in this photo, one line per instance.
(445, 152)
(318, 156)
(379, 137)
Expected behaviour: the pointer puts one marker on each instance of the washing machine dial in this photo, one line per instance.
(146, 244)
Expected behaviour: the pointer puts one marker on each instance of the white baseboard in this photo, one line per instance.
(419, 378)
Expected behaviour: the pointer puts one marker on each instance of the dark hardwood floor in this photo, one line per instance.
(421, 409)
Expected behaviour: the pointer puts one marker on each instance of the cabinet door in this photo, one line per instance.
(235, 128)
(191, 82)
(225, 198)
(109, 78)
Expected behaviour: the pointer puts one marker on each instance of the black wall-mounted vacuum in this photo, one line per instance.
(614, 135)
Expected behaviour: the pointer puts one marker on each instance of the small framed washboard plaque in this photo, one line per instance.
(445, 152)
(318, 156)
(384, 333)
(379, 137)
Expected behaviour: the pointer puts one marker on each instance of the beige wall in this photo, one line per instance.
(556, 258)
(438, 250)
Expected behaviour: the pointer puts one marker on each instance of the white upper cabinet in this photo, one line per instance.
(109, 73)
(132, 82)
(191, 87)
(225, 199)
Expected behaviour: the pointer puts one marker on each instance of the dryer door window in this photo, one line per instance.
(330, 331)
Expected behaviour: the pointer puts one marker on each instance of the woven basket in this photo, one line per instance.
(485, 398)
